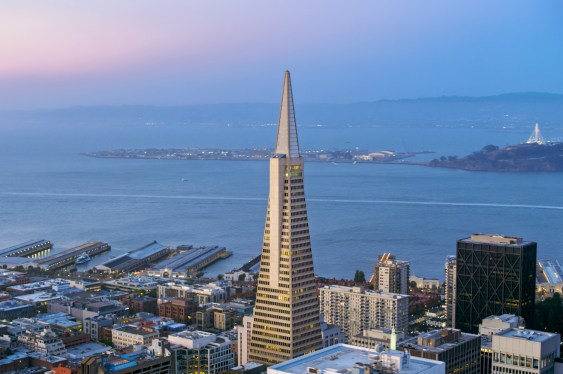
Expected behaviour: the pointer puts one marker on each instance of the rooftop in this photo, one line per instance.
(15, 248)
(496, 239)
(137, 330)
(531, 335)
(189, 258)
(87, 349)
(361, 290)
(38, 297)
(11, 305)
(342, 358)
(550, 271)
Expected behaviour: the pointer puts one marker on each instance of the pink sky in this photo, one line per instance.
(60, 53)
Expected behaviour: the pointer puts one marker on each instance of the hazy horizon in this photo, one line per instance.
(60, 53)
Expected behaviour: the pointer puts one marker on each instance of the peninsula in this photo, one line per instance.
(257, 154)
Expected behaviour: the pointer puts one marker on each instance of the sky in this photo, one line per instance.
(60, 53)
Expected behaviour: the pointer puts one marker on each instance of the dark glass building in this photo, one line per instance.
(495, 275)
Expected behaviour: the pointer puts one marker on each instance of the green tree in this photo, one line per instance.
(242, 277)
(359, 277)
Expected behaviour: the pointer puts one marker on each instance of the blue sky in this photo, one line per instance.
(172, 52)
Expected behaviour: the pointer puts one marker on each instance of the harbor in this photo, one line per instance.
(29, 249)
(68, 257)
(189, 262)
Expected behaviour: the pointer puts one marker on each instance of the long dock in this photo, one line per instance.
(32, 249)
(69, 256)
(189, 262)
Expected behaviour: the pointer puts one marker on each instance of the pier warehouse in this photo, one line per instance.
(189, 262)
(69, 256)
(137, 259)
(32, 248)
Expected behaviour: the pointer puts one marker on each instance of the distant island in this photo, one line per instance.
(537, 154)
(257, 154)
(526, 157)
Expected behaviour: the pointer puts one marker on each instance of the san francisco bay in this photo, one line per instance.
(48, 190)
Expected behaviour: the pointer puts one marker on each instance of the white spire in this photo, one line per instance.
(536, 136)
(393, 342)
(286, 142)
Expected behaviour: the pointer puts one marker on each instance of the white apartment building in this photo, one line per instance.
(129, 335)
(203, 294)
(204, 352)
(244, 334)
(355, 309)
(45, 342)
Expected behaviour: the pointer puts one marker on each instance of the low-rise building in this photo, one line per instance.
(522, 351)
(55, 284)
(179, 309)
(136, 362)
(343, 358)
(490, 326)
(373, 338)
(133, 283)
(460, 351)
(45, 342)
(202, 294)
(425, 283)
(12, 309)
(204, 352)
(143, 304)
(125, 336)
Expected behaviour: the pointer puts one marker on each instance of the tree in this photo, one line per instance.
(220, 277)
(242, 277)
(359, 277)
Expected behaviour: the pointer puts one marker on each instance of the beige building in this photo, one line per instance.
(128, 335)
(355, 309)
(244, 334)
(450, 267)
(391, 275)
(286, 314)
(521, 351)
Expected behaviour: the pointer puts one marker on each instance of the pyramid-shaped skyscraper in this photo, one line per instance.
(286, 315)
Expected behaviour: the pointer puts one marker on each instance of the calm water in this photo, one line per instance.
(48, 190)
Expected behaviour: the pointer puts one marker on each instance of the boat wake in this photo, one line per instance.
(320, 200)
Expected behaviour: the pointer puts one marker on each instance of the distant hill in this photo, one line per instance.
(513, 109)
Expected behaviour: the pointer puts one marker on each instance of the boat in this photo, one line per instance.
(184, 179)
(82, 259)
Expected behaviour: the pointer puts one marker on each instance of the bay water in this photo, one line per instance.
(48, 190)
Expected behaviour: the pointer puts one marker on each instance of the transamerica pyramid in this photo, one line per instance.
(286, 315)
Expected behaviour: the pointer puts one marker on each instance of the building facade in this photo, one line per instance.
(521, 351)
(450, 267)
(200, 352)
(495, 275)
(391, 275)
(286, 314)
(126, 336)
(459, 351)
(355, 309)
(45, 342)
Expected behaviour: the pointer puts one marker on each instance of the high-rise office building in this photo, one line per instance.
(391, 275)
(450, 287)
(495, 275)
(286, 315)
